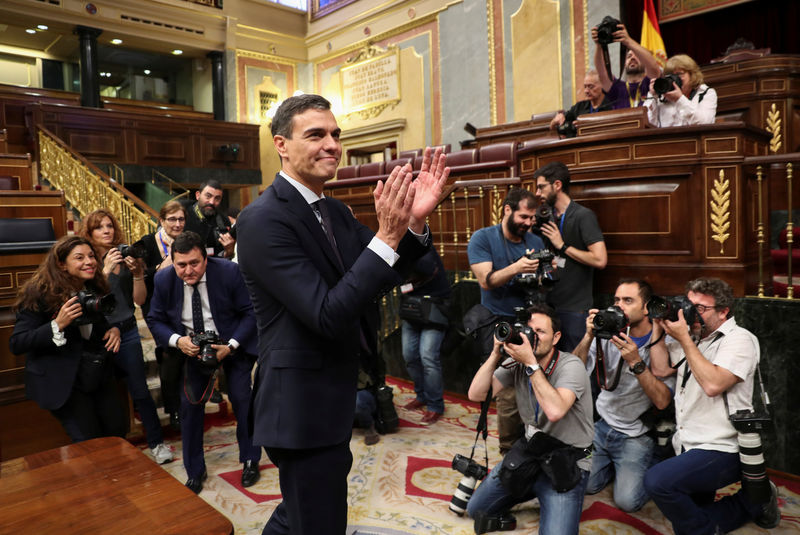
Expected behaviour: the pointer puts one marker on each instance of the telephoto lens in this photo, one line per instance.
(464, 490)
(755, 482)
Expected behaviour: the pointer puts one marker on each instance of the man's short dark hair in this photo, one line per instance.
(720, 290)
(516, 196)
(186, 241)
(554, 171)
(282, 122)
(645, 290)
(555, 322)
(210, 183)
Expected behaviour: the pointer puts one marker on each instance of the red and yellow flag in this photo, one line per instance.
(651, 35)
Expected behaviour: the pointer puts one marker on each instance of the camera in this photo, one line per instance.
(544, 214)
(485, 523)
(135, 251)
(664, 84)
(606, 29)
(609, 322)
(749, 425)
(567, 129)
(506, 332)
(473, 472)
(208, 355)
(533, 284)
(94, 307)
(667, 308)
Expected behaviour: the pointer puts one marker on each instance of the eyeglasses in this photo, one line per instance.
(175, 220)
(701, 309)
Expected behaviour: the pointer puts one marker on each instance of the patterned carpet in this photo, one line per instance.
(403, 484)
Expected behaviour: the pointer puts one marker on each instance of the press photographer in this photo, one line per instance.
(206, 219)
(201, 311)
(716, 361)
(595, 101)
(67, 341)
(680, 97)
(616, 349)
(498, 255)
(550, 461)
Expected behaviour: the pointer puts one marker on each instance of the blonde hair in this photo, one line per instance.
(685, 63)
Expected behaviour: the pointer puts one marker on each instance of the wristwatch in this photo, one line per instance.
(639, 367)
(232, 349)
(563, 250)
(530, 369)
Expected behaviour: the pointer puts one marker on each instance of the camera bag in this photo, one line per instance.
(424, 310)
(92, 370)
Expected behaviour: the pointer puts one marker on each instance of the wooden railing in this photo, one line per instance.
(87, 188)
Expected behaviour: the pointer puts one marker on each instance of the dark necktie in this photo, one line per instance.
(197, 310)
(321, 209)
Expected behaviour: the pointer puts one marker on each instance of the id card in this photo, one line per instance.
(561, 261)
(405, 288)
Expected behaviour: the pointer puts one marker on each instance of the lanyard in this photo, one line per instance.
(634, 101)
(161, 241)
(561, 224)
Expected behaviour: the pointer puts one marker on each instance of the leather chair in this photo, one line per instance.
(498, 152)
(391, 164)
(28, 235)
(371, 169)
(348, 171)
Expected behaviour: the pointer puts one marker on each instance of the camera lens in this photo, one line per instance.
(464, 490)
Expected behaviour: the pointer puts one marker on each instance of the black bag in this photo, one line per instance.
(386, 419)
(425, 311)
(479, 324)
(92, 370)
(520, 468)
(561, 466)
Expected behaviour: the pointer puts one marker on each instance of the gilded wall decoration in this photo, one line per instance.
(370, 81)
(774, 123)
(720, 210)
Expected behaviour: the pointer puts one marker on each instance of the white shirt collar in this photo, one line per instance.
(202, 279)
(307, 194)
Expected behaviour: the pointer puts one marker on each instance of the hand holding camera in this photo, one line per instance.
(68, 312)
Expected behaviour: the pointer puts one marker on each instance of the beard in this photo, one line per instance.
(634, 71)
(208, 210)
(515, 229)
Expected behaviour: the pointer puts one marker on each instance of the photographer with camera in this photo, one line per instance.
(194, 299)
(67, 341)
(595, 101)
(716, 361)
(680, 98)
(124, 269)
(575, 236)
(498, 258)
(555, 403)
(623, 447)
(205, 218)
(640, 66)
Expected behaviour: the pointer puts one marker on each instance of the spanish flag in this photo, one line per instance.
(651, 35)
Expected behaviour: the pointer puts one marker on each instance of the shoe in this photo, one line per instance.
(371, 436)
(250, 473)
(175, 421)
(431, 417)
(162, 453)
(195, 484)
(770, 515)
(216, 396)
(413, 405)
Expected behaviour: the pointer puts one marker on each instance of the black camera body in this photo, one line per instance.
(208, 355)
(748, 421)
(473, 472)
(664, 84)
(749, 425)
(606, 29)
(135, 251)
(513, 333)
(485, 523)
(544, 213)
(567, 129)
(667, 308)
(609, 322)
(94, 307)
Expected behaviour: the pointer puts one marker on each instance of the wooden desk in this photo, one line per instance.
(104, 485)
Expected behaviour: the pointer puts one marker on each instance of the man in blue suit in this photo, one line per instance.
(197, 295)
(314, 273)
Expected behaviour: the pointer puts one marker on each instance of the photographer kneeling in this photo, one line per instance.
(555, 404)
(61, 327)
(194, 299)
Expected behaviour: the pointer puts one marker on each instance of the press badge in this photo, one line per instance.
(561, 261)
(405, 288)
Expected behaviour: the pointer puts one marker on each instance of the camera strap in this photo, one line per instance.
(600, 368)
(764, 395)
(482, 428)
(207, 391)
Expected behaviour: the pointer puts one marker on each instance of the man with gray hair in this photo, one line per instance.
(716, 361)
(595, 101)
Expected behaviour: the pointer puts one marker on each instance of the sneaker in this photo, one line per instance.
(162, 453)
(430, 417)
(413, 405)
(770, 515)
(371, 436)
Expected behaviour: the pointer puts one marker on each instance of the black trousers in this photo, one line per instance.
(314, 488)
(93, 415)
(170, 371)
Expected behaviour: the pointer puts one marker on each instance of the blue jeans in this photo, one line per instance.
(421, 353)
(624, 459)
(560, 511)
(683, 488)
(365, 408)
(130, 360)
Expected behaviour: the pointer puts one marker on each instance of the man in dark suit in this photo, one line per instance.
(200, 294)
(313, 273)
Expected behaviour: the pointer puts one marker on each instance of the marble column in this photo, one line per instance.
(90, 79)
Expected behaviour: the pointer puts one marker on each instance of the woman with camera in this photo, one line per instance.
(680, 97)
(124, 270)
(67, 344)
(158, 248)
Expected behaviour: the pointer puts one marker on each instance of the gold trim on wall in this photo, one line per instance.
(492, 66)
(774, 122)
(720, 210)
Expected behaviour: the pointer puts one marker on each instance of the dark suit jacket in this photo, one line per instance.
(309, 314)
(50, 371)
(228, 299)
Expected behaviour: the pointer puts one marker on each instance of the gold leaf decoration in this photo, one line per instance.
(720, 210)
(774, 128)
